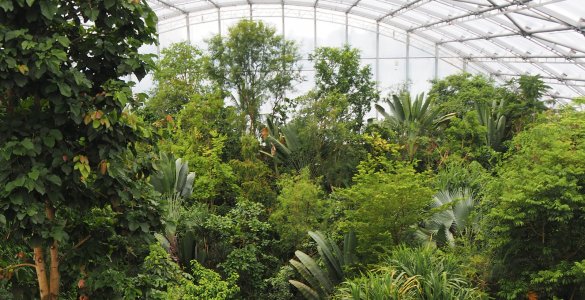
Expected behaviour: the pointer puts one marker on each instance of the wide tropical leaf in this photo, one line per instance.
(452, 213)
(305, 290)
(349, 246)
(315, 270)
(494, 120)
(412, 118)
(333, 262)
(306, 274)
(331, 256)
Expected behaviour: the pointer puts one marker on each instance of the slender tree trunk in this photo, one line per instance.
(55, 275)
(54, 279)
(252, 123)
(41, 273)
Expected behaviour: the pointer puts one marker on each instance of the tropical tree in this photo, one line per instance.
(284, 146)
(536, 203)
(413, 119)
(178, 77)
(458, 93)
(532, 89)
(70, 187)
(253, 64)
(526, 101)
(300, 207)
(242, 245)
(328, 142)
(338, 70)
(383, 205)
(162, 278)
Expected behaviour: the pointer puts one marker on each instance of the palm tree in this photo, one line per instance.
(412, 119)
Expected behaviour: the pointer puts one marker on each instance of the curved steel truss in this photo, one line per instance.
(501, 38)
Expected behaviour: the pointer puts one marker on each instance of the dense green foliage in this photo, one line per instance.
(252, 64)
(476, 191)
(300, 208)
(383, 206)
(536, 210)
(179, 75)
(412, 273)
(338, 70)
(71, 185)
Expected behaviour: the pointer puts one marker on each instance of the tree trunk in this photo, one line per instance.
(41, 273)
(252, 123)
(54, 279)
(55, 276)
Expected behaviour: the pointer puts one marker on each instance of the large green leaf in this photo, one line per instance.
(332, 261)
(349, 246)
(315, 270)
(305, 290)
(306, 274)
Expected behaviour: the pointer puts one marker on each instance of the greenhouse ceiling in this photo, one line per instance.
(501, 38)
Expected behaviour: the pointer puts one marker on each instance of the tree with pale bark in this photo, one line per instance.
(72, 188)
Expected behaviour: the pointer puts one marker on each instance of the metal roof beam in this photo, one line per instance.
(506, 47)
(470, 2)
(487, 37)
(572, 47)
(480, 12)
(520, 29)
(214, 4)
(542, 67)
(521, 5)
(536, 15)
(168, 5)
(403, 8)
(545, 77)
(561, 19)
(524, 59)
(352, 6)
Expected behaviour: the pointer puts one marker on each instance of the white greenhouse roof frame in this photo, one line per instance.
(500, 38)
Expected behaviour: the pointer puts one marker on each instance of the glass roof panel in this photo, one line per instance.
(571, 9)
(513, 36)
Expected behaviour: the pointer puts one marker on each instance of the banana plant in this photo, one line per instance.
(452, 217)
(493, 118)
(321, 282)
(174, 181)
(412, 118)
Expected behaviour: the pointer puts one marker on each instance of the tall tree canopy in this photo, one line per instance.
(68, 183)
(535, 227)
(253, 64)
(179, 76)
(339, 70)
